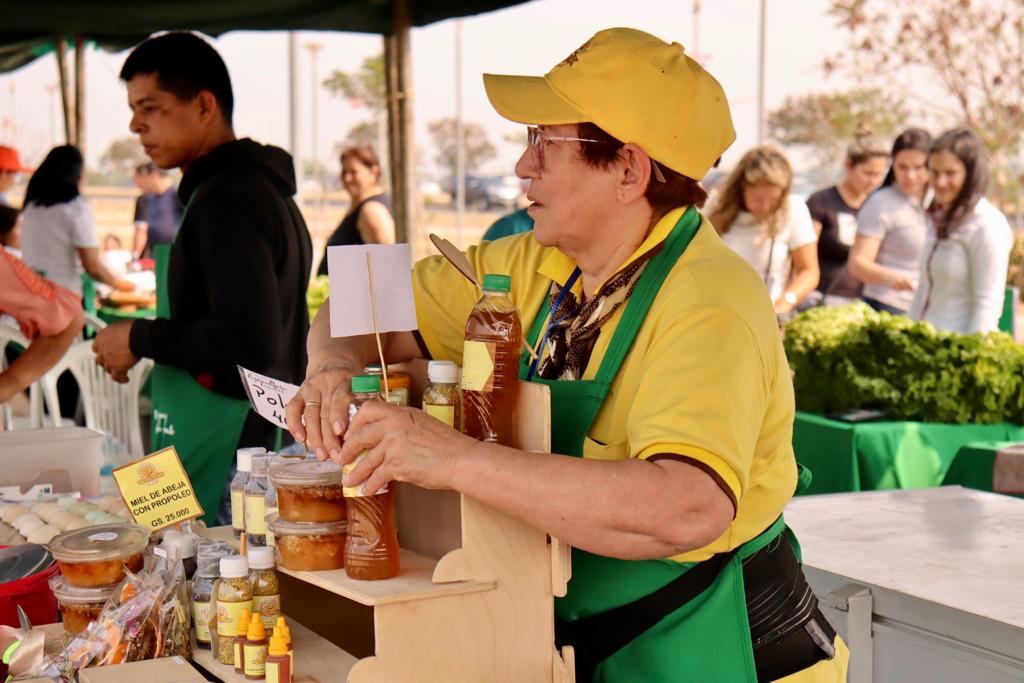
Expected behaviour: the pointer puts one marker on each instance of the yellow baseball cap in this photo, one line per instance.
(634, 86)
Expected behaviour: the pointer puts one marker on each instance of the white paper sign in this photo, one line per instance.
(350, 289)
(267, 395)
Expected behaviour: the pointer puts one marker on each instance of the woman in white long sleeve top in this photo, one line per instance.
(967, 251)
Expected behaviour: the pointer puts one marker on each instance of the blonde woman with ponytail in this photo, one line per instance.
(759, 218)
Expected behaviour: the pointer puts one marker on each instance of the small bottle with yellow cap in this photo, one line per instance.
(254, 651)
(279, 662)
(286, 633)
(241, 629)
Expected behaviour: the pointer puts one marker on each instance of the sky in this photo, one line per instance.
(526, 39)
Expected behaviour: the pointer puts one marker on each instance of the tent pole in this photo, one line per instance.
(61, 55)
(80, 93)
(398, 68)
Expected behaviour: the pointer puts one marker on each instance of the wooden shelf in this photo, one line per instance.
(316, 660)
(414, 583)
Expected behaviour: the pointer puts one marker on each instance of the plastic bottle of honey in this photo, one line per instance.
(490, 364)
(279, 663)
(238, 645)
(255, 502)
(371, 546)
(254, 650)
(243, 465)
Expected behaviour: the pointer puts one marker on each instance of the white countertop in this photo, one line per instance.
(955, 547)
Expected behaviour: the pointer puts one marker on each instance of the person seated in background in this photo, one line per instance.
(834, 211)
(115, 257)
(967, 249)
(10, 168)
(157, 211)
(511, 224)
(48, 314)
(760, 219)
(10, 230)
(59, 234)
(368, 219)
(891, 228)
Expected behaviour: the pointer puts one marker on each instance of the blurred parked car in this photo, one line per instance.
(492, 192)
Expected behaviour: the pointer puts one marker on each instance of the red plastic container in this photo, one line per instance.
(33, 594)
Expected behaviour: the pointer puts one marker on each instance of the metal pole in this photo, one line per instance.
(314, 49)
(460, 140)
(760, 75)
(398, 66)
(293, 111)
(80, 93)
(696, 29)
(65, 99)
(51, 90)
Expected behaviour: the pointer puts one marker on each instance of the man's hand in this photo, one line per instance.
(113, 353)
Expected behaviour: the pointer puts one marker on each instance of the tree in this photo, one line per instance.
(827, 123)
(360, 135)
(479, 149)
(365, 87)
(122, 156)
(970, 49)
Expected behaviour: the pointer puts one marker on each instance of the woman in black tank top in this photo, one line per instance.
(368, 220)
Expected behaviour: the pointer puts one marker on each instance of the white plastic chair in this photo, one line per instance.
(13, 335)
(110, 407)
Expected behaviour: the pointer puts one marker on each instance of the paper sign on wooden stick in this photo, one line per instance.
(267, 395)
(350, 289)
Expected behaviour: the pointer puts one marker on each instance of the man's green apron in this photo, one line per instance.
(708, 638)
(202, 426)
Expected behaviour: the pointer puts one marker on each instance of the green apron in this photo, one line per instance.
(708, 638)
(202, 426)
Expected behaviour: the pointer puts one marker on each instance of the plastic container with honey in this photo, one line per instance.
(79, 606)
(309, 491)
(309, 546)
(99, 555)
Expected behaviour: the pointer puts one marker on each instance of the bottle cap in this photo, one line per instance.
(365, 384)
(442, 372)
(243, 457)
(373, 369)
(180, 542)
(277, 645)
(242, 623)
(261, 557)
(256, 630)
(399, 380)
(497, 283)
(234, 567)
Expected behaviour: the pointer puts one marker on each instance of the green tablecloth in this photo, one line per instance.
(113, 315)
(885, 455)
(972, 467)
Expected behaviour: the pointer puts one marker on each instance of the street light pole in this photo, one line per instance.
(760, 76)
(314, 49)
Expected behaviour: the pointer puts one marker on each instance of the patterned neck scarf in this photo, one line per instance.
(574, 327)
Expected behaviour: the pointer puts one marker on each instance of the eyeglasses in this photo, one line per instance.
(536, 139)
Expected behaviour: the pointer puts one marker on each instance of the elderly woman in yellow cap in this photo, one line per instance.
(671, 396)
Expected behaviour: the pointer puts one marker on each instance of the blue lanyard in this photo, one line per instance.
(566, 289)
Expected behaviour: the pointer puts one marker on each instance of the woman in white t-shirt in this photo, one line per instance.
(891, 228)
(967, 249)
(58, 232)
(771, 229)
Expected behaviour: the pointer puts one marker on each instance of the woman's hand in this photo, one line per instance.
(401, 444)
(900, 283)
(318, 414)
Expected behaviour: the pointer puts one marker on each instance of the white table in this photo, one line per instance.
(924, 585)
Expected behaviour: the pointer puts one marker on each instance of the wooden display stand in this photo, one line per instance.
(474, 601)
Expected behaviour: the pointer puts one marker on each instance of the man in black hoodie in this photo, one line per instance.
(240, 264)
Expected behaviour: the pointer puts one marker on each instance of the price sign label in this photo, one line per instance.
(267, 395)
(157, 490)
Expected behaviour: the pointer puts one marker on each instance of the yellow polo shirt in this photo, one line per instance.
(706, 378)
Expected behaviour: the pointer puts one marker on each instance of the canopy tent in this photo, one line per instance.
(30, 30)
